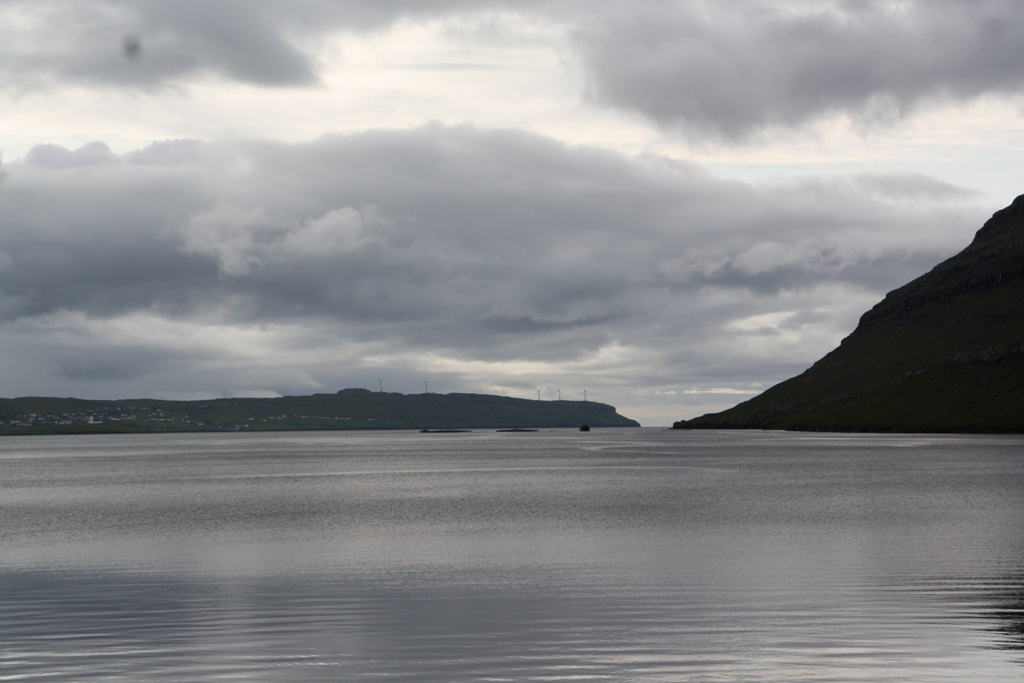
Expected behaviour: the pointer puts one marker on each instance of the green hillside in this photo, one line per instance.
(347, 409)
(944, 353)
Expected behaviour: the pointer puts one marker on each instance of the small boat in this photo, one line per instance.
(585, 428)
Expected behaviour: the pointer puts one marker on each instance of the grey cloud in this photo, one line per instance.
(94, 153)
(701, 67)
(239, 41)
(151, 44)
(911, 187)
(510, 226)
(84, 43)
(732, 69)
(169, 153)
(112, 363)
(94, 242)
(489, 246)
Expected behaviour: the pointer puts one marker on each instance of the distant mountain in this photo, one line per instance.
(944, 353)
(347, 409)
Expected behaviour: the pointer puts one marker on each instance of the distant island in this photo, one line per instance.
(349, 409)
(944, 353)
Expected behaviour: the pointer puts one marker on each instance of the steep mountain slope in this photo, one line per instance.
(944, 353)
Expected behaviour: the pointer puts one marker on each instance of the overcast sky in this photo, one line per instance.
(670, 205)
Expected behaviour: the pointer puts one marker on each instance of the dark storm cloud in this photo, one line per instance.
(733, 68)
(496, 244)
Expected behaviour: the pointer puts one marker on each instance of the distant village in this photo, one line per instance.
(97, 416)
(172, 421)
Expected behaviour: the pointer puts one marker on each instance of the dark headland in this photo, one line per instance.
(347, 409)
(944, 353)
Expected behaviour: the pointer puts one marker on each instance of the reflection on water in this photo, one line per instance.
(621, 555)
(1003, 603)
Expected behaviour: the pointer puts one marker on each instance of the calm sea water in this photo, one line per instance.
(617, 555)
